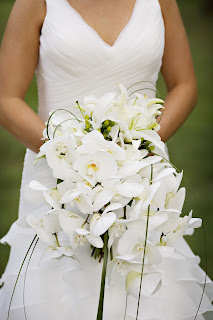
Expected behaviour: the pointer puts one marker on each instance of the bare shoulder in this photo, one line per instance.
(166, 4)
(31, 10)
(169, 8)
(177, 66)
(19, 50)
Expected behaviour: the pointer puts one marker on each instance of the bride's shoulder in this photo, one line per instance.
(167, 3)
(169, 7)
(170, 11)
(34, 10)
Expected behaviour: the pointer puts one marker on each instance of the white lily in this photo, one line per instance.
(118, 109)
(90, 102)
(133, 153)
(144, 115)
(94, 141)
(99, 113)
(153, 137)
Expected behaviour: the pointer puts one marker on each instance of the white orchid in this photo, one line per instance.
(132, 243)
(51, 196)
(121, 265)
(175, 227)
(96, 167)
(175, 200)
(81, 236)
(100, 223)
(131, 167)
(69, 221)
(98, 155)
(130, 187)
(117, 229)
(81, 195)
(169, 187)
(101, 196)
(148, 193)
(151, 282)
(57, 252)
(60, 154)
(45, 228)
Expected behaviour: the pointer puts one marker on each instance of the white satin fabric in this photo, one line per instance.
(75, 61)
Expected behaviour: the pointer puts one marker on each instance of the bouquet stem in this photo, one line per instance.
(103, 278)
(144, 252)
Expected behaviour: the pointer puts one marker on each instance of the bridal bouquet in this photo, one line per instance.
(110, 163)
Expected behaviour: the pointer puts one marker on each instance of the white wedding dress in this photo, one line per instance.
(75, 61)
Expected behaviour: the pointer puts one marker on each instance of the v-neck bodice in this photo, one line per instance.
(75, 61)
(96, 33)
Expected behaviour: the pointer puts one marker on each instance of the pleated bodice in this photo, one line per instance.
(75, 61)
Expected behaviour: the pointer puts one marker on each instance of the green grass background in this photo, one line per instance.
(191, 148)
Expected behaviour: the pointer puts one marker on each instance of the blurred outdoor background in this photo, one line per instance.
(191, 148)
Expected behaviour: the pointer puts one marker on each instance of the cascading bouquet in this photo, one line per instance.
(110, 163)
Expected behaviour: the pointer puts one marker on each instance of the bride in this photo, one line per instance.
(76, 48)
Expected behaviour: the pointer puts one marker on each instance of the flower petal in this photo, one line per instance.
(95, 241)
(101, 224)
(36, 185)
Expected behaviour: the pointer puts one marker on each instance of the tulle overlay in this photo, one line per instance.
(73, 62)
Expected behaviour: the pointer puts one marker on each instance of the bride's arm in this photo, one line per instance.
(18, 60)
(178, 72)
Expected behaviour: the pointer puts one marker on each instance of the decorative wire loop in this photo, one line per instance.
(48, 121)
(59, 126)
(8, 315)
(26, 276)
(143, 81)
